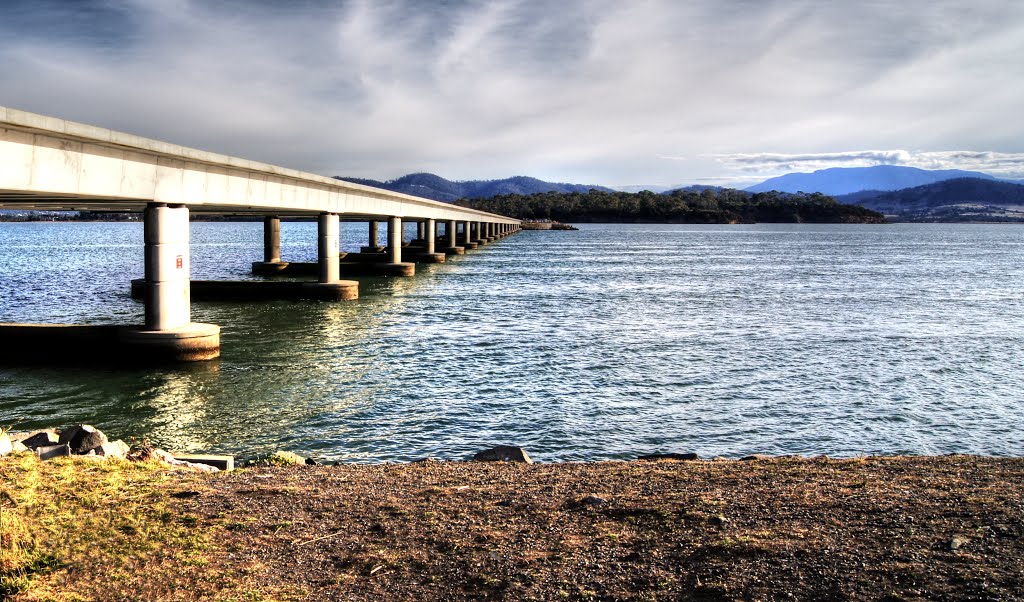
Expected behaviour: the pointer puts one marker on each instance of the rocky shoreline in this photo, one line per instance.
(665, 527)
(86, 440)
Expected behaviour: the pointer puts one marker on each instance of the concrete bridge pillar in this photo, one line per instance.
(373, 241)
(467, 237)
(328, 248)
(450, 230)
(271, 263)
(271, 239)
(395, 240)
(167, 266)
(424, 249)
(169, 332)
(431, 231)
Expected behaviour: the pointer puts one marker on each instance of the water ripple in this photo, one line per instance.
(598, 344)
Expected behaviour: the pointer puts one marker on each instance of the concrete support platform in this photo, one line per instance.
(269, 268)
(370, 250)
(106, 344)
(262, 290)
(427, 257)
(469, 245)
(453, 251)
(372, 257)
(362, 268)
(378, 269)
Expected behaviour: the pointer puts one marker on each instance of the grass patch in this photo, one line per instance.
(76, 528)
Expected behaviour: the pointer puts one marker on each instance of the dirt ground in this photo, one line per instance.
(924, 528)
(943, 528)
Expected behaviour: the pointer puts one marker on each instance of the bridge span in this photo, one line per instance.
(48, 163)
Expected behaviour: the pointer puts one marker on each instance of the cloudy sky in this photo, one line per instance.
(655, 92)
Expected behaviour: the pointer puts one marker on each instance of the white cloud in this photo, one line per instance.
(1009, 165)
(589, 91)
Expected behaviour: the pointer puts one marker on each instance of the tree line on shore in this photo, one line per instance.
(711, 206)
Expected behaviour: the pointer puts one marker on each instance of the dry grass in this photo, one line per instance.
(83, 529)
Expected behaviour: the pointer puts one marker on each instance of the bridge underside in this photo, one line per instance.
(37, 201)
(48, 164)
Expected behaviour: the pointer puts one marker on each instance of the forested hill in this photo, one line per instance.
(434, 187)
(962, 199)
(724, 206)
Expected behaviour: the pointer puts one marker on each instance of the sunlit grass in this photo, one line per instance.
(106, 525)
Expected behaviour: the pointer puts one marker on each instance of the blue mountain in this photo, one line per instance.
(845, 180)
(435, 187)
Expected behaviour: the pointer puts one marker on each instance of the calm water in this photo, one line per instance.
(603, 343)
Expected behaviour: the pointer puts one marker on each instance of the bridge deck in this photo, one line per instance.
(51, 164)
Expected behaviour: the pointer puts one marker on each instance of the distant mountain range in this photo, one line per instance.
(903, 193)
(846, 180)
(435, 187)
(957, 200)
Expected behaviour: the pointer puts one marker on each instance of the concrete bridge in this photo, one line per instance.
(48, 163)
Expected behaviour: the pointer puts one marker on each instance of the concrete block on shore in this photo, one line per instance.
(220, 462)
(47, 452)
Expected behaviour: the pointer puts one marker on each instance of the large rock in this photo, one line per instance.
(503, 453)
(82, 438)
(113, 449)
(6, 445)
(40, 439)
(285, 458)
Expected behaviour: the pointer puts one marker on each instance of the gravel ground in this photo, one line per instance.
(913, 528)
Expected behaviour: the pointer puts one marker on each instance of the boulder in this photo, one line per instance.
(503, 453)
(19, 447)
(40, 439)
(670, 456)
(6, 445)
(82, 438)
(115, 449)
(47, 452)
(285, 458)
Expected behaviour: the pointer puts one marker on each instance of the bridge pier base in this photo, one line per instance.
(373, 239)
(271, 263)
(451, 240)
(429, 254)
(467, 242)
(394, 250)
(169, 332)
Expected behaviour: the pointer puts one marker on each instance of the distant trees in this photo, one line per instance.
(711, 206)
